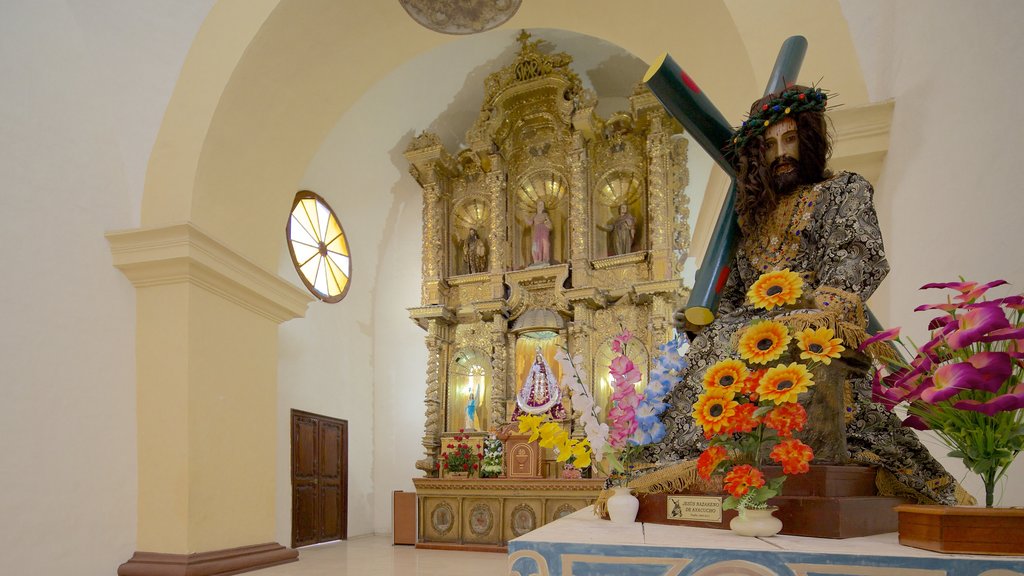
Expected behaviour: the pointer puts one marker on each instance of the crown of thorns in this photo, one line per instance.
(791, 101)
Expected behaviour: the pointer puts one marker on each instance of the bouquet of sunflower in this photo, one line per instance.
(750, 406)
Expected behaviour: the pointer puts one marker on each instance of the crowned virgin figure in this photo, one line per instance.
(539, 393)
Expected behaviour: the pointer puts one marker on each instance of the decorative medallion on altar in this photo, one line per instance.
(563, 511)
(442, 518)
(481, 520)
(524, 519)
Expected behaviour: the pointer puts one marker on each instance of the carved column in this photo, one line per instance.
(679, 178)
(659, 203)
(499, 370)
(579, 210)
(437, 351)
(496, 185)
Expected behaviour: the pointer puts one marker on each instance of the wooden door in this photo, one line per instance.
(319, 479)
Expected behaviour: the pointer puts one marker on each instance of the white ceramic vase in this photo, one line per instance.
(622, 505)
(756, 523)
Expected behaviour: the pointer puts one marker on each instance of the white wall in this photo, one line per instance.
(950, 197)
(83, 87)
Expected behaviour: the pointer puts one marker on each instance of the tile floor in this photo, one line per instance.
(376, 556)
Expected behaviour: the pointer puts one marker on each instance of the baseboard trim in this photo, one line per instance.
(215, 563)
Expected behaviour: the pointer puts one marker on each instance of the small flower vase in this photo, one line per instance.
(570, 473)
(622, 506)
(756, 522)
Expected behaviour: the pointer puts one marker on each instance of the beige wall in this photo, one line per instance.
(83, 89)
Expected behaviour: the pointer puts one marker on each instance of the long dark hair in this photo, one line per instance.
(757, 195)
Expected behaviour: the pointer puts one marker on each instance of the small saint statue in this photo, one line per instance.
(540, 393)
(623, 229)
(471, 407)
(540, 230)
(474, 253)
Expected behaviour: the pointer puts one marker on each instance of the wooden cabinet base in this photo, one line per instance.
(962, 529)
(817, 516)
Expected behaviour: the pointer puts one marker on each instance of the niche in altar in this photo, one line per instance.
(553, 228)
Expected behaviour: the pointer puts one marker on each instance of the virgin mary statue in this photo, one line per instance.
(539, 393)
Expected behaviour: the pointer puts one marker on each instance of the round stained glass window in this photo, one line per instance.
(318, 247)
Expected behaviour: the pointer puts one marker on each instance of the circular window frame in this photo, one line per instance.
(323, 297)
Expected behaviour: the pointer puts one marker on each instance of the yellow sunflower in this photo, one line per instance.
(819, 345)
(728, 374)
(777, 288)
(713, 411)
(764, 342)
(783, 383)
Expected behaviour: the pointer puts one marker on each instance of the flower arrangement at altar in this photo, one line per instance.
(460, 457)
(967, 382)
(633, 418)
(490, 465)
(750, 406)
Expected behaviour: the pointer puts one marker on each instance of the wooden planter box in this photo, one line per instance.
(962, 529)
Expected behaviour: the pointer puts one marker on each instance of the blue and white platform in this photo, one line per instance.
(583, 545)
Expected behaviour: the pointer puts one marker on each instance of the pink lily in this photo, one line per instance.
(975, 293)
(945, 306)
(1014, 400)
(621, 341)
(1004, 334)
(939, 322)
(975, 324)
(961, 286)
(883, 336)
(915, 422)
(983, 371)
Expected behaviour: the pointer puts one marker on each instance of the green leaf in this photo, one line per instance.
(730, 503)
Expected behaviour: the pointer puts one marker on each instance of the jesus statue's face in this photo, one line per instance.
(782, 154)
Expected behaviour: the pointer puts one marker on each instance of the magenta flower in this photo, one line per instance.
(939, 322)
(983, 371)
(976, 324)
(977, 292)
(915, 422)
(1004, 334)
(883, 336)
(961, 286)
(1014, 400)
(945, 306)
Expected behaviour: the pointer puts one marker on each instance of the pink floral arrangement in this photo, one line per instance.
(965, 383)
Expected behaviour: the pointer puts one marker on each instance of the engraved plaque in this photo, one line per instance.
(698, 508)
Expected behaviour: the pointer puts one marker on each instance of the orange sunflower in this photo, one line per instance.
(783, 383)
(725, 374)
(709, 460)
(764, 342)
(742, 478)
(794, 456)
(778, 288)
(786, 419)
(713, 411)
(819, 345)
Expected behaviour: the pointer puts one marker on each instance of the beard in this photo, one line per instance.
(785, 174)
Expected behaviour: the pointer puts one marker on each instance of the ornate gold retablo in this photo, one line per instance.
(553, 226)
